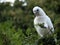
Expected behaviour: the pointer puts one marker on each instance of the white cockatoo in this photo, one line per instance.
(42, 22)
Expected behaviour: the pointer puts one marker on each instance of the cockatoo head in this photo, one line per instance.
(38, 11)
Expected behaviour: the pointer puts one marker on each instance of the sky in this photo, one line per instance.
(12, 2)
(7, 1)
(22, 0)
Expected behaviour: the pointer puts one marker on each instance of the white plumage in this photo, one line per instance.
(42, 18)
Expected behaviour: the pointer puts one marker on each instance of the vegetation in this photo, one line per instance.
(16, 23)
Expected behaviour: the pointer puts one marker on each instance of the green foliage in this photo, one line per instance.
(17, 21)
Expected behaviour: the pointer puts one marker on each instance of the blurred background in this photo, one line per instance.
(16, 20)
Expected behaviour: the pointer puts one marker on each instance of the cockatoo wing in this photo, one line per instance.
(50, 25)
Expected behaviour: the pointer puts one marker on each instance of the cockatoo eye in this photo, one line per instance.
(37, 10)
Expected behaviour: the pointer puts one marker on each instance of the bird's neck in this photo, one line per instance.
(40, 14)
